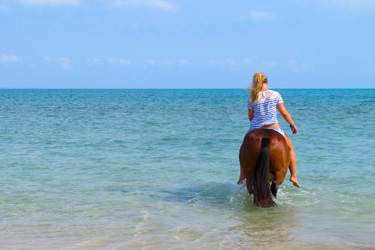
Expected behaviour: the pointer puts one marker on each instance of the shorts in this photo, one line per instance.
(278, 129)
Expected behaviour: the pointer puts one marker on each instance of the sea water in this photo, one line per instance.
(157, 169)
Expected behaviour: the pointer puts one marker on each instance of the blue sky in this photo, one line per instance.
(186, 43)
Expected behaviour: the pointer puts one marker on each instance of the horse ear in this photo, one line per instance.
(274, 188)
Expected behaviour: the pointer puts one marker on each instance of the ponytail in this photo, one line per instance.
(258, 80)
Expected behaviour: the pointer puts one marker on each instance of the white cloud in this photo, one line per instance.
(169, 63)
(298, 67)
(261, 16)
(47, 59)
(8, 58)
(223, 63)
(93, 61)
(65, 63)
(270, 64)
(119, 61)
(349, 4)
(232, 64)
(151, 4)
(357, 4)
(50, 2)
(248, 62)
(183, 62)
(160, 63)
(290, 64)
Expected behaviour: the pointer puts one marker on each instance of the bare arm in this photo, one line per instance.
(287, 117)
(250, 114)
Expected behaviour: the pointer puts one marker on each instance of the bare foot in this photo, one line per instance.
(295, 181)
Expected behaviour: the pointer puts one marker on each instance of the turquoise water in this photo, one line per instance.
(157, 169)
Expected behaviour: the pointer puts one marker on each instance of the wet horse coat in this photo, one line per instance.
(264, 158)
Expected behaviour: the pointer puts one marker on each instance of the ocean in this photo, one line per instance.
(157, 169)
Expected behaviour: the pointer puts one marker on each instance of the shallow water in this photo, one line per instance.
(116, 169)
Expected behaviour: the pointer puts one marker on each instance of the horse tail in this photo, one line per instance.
(261, 185)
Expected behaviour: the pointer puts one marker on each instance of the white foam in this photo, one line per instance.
(240, 188)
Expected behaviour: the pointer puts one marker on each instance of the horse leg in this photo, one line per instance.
(242, 175)
(274, 187)
(279, 178)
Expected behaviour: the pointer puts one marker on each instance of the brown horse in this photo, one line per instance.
(264, 159)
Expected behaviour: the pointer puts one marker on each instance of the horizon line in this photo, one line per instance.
(166, 88)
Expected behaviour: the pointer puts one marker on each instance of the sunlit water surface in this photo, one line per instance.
(157, 169)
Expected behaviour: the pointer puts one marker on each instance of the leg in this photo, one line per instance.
(292, 165)
(274, 188)
(242, 176)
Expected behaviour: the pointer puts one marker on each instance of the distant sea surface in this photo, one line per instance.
(157, 169)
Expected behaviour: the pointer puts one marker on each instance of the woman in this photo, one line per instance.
(263, 104)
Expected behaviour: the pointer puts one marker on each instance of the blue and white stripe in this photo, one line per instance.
(265, 111)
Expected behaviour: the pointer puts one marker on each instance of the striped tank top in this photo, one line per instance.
(265, 111)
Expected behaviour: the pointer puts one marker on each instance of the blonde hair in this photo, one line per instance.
(258, 80)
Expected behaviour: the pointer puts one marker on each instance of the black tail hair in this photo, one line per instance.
(261, 185)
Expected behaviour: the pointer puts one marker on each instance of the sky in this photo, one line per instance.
(186, 43)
